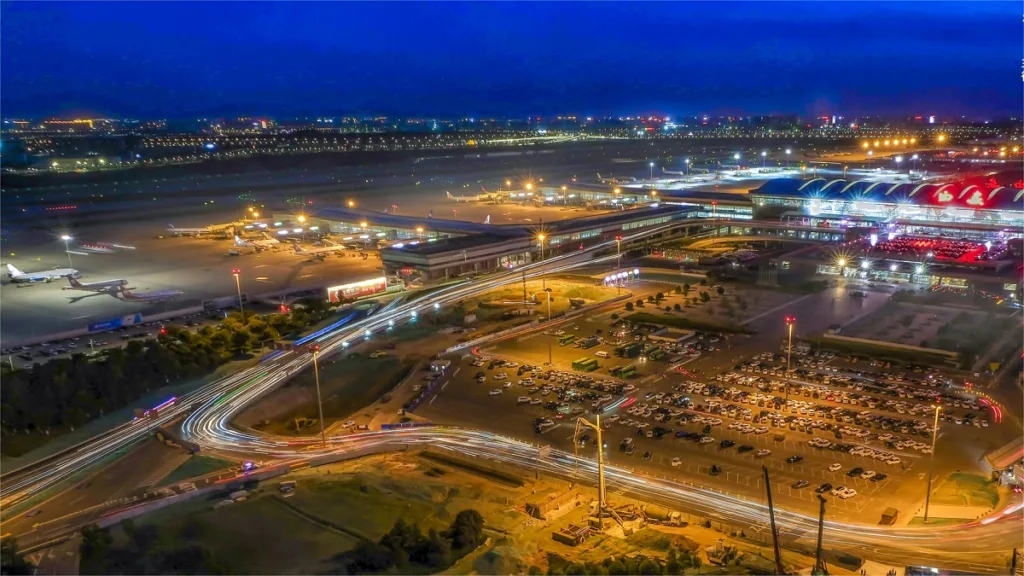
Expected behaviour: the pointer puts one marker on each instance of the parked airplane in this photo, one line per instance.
(188, 231)
(614, 180)
(266, 243)
(46, 275)
(155, 296)
(485, 197)
(488, 220)
(102, 286)
(318, 251)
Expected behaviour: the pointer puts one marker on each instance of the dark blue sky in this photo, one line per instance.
(291, 58)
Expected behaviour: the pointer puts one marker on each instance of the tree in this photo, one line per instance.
(677, 307)
(696, 561)
(629, 306)
(705, 297)
(650, 299)
(616, 316)
(659, 297)
(368, 556)
(534, 570)
(678, 289)
(693, 300)
(720, 290)
(649, 567)
(639, 303)
(11, 561)
(686, 289)
(703, 281)
(617, 568)
(94, 549)
(466, 530)
(437, 551)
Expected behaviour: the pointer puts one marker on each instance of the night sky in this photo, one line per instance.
(294, 59)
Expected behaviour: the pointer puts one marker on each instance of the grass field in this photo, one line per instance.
(258, 536)
(195, 466)
(347, 385)
(966, 490)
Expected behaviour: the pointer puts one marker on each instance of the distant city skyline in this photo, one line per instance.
(510, 60)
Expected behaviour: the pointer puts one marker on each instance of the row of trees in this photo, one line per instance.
(674, 563)
(66, 393)
(405, 545)
(147, 549)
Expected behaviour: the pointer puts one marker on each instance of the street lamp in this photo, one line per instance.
(315, 350)
(764, 158)
(564, 188)
(66, 239)
(790, 321)
(931, 463)
(914, 159)
(736, 156)
(652, 170)
(419, 230)
(790, 151)
(686, 164)
(351, 203)
(238, 286)
(871, 154)
(255, 214)
(898, 160)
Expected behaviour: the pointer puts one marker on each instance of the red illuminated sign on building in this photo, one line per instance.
(976, 199)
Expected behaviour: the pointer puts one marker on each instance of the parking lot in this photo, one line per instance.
(856, 430)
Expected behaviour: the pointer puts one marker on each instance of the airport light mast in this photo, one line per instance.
(602, 503)
(238, 286)
(315, 350)
(652, 170)
(67, 250)
(686, 166)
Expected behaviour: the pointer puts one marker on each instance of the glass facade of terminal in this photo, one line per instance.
(883, 211)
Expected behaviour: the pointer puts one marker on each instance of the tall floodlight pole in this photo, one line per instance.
(67, 250)
(931, 463)
(238, 287)
(315, 349)
(775, 532)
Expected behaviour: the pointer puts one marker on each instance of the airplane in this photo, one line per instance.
(256, 243)
(102, 286)
(188, 231)
(46, 275)
(477, 198)
(614, 180)
(155, 296)
(319, 251)
(488, 220)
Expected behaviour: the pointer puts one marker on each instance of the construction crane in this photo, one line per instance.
(602, 502)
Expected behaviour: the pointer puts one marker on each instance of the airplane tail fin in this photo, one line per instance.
(599, 176)
(449, 195)
(73, 282)
(488, 220)
(12, 271)
(126, 293)
(298, 249)
(238, 241)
